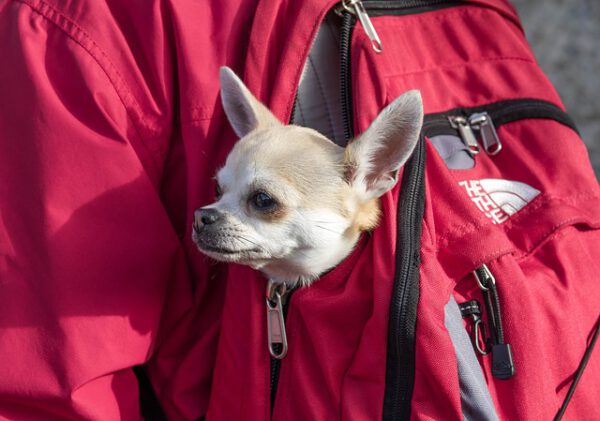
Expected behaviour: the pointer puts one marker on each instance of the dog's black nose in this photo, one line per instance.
(207, 216)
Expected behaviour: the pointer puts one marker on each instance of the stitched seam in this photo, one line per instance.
(202, 119)
(443, 15)
(202, 113)
(81, 38)
(462, 64)
(555, 232)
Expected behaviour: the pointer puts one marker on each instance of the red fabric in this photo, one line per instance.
(111, 130)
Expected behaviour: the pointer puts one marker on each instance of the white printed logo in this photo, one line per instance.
(499, 199)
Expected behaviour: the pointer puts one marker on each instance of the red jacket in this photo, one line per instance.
(110, 132)
(108, 139)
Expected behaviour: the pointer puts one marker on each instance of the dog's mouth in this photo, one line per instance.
(220, 251)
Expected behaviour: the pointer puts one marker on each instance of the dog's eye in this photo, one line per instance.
(262, 201)
(218, 191)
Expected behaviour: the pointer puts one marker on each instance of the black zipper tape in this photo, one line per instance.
(402, 8)
(501, 112)
(348, 22)
(400, 364)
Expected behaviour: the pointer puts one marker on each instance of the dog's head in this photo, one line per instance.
(290, 201)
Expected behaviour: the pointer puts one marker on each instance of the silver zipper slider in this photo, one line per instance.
(466, 133)
(275, 320)
(483, 122)
(484, 277)
(357, 8)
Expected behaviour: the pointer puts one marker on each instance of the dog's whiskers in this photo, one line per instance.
(327, 229)
(251, 242)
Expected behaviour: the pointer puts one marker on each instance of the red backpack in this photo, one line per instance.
(476, 296)
(111, 132)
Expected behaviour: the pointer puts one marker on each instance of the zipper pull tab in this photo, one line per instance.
(357, 8)
(466, 133)
(503, 367)
(276, 335)
(483, 122)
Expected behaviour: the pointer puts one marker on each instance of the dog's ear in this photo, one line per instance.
(244, 112)
(375, 157)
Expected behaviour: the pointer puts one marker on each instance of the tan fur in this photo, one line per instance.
(350, 162)
(367, 215)
(297, 160)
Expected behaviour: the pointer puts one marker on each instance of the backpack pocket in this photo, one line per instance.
(515, 220)
(546, 309)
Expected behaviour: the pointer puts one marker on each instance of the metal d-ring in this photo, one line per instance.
(477, 327)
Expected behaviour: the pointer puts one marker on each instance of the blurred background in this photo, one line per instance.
(565, 37)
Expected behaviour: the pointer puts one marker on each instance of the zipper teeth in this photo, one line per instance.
(399, 5)
(294, 106)
(275, 368)
(497, 314)
(551, 109)
(400, 358)
(345, 74)
(503, 112)
(492, 307)
(497, 110)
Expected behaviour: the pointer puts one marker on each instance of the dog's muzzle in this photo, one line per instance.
(206, 226)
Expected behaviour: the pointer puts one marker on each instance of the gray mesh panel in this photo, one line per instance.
(475, 398)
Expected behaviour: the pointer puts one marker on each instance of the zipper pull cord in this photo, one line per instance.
(502, 361)
(579, 373)
(276, 334)
(357, 8)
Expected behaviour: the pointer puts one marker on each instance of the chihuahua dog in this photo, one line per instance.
(289, 201)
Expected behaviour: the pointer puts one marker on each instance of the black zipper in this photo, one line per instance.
(348, 21)
(400, 364)
(501, 112)
(398, 8)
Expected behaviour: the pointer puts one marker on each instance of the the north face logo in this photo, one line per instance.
(499, 199)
